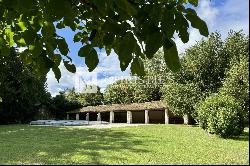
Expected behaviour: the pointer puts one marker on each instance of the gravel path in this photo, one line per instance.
(99, 126)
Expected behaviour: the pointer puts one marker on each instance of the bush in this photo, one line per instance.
(236, 84)
(221, 115)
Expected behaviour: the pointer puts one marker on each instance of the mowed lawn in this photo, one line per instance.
(153, 144)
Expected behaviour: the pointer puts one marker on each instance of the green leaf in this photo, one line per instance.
(57, 73)
(153, 43)
(4, 49)
(43, 64)
(126, 46)
(70, 67)
(137, 67)
(171, 55)
(168, 23)
(9, 37)
(182, 26)
(36, 49)
(108, 39)
(21, 41)
(22, 26)
(60, 25)
(77, 37)
(91, 57)
(126, 6)
(194, 2)
(84, 51)
(93, 34)
(48, 29)
(29, 36)
(56, 58)
(59, 8)
(92, 60)
(196, 22)
(108, 50)
(113, 27)
(63, 46)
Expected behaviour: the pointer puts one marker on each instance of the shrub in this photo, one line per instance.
(236, 84)
(221, 115)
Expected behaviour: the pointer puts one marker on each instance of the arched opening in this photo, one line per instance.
(120, 117)
(156, 117)
(138, 117)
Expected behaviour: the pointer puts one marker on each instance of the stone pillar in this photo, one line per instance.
(67, 116)
(146, 117)
(166, 116)
(99, 116)
(111, 117)
(186, 119)
(77, 117)
(87, 116)
(129, 117)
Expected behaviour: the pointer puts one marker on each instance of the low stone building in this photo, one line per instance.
(148, 112)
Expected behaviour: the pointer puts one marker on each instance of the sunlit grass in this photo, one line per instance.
(153, 144)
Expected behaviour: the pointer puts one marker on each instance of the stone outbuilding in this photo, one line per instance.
(148, 112)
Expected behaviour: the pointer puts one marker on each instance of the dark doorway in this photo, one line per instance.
(120, 117)
(156, 117)
(82, 116)
(72, 116)
(93, 116)
(138, 117)
(105, 116)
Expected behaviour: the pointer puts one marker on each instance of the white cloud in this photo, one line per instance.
(107, 72)
(230, 15)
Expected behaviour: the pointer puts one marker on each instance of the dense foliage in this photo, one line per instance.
(91, 99)
(207, 66)
(132, 28)
(221, 115)
(60, 105)
(22, 92)
(122, 91)
(69, 100)
(181, 98)
(204, 64)
(202, 72)
(236, 84)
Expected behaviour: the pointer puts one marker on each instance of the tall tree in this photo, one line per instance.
(120, 92)
(236, 84)
(91, 97)
(132, 28)
(204, 69)
(21, 91)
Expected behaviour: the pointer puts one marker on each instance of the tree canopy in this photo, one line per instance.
(21, 91)
(134, 29)
(210, 66)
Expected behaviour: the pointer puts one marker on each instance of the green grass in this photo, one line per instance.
(154, 144)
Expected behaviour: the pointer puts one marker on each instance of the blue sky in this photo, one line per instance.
(220, 15)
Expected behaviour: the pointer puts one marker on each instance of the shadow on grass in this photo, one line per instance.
(243, 137)
(52, 145)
